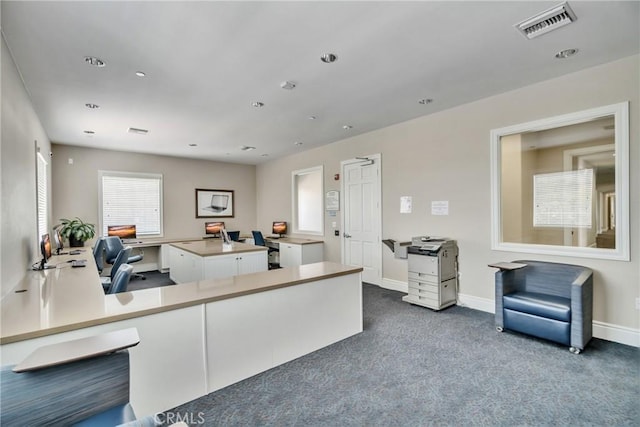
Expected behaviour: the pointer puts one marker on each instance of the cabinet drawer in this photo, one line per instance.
(422, 277)
(424, 297)
(423, 264)
(425, 286)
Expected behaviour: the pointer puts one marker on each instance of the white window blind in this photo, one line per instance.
(43, 199)
(563, 199)
(131, 198)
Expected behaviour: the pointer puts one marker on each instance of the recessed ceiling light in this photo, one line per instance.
(566, 53)
(312, 117)
(96, 62)
(298, 143)
(193, 145)
(347, 127)
(328, 58)
(258, 104)
(247, 148)
(425, 101)
(92, 106)
(89, 132)
(264, 155)
(140, 73)
(287, 85)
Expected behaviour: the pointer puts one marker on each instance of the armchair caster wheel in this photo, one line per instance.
(574, 350)
(499, 328)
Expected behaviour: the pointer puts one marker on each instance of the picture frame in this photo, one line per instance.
(214, 203)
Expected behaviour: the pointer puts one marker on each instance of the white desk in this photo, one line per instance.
(210, 259)
(195, 337)
(295, 252)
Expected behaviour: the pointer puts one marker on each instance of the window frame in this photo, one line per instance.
(294, 200)
(620, 112)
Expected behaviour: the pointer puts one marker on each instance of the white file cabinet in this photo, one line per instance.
(433, 277)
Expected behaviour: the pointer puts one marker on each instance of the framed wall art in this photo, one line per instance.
(214, 203)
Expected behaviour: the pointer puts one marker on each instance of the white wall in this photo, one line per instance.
(21, 134)
(445, 156)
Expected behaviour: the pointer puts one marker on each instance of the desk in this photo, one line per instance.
(295, 252)
(196, 337)
(210, 259)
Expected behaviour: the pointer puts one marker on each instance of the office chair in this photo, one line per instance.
(98, 254)
(234, 235)
(121, 279)
(122, 258)
(258, 240)
(113, 245)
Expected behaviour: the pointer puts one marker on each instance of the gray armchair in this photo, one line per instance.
(548, 300)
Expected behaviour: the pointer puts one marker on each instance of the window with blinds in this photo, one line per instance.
(563, 199)
(43, 198)
(131, 198)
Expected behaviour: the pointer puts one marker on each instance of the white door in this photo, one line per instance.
(361, 229)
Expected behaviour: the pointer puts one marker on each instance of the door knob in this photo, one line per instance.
(346, 235)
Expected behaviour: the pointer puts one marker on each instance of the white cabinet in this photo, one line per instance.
(293, 254)
(185, 266)
(217, 267)
(164, 258)
(188, 267)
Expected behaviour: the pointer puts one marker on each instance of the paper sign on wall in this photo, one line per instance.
(405, 204)
(440, 207)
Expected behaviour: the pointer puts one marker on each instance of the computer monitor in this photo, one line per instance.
(279, 228)
(57, 239)
(45, 250)
(213, 228)
(125, 232)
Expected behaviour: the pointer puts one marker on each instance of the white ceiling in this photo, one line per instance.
(207, 62)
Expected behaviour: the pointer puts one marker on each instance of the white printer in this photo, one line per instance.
(433, 272)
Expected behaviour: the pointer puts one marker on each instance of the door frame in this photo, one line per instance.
(377, 158)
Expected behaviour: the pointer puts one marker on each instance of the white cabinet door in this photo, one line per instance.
(220, 266)
(290, 255)
(164, 258)
(185, 266)
(176, 273)
(252, 262)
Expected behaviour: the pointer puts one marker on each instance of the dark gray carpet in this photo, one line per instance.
(153, 279)
(415, 367)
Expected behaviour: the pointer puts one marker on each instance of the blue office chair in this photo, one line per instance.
(234, 235)
(113, 245)
(121, 279)
(121, 259)
(98, 253)
(258, 240)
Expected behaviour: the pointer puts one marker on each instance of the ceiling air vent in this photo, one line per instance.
(549, 20)
(138, 131)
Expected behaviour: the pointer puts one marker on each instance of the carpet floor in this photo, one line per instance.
(415, 367)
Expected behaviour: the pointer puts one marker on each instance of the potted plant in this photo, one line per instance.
(77, 231)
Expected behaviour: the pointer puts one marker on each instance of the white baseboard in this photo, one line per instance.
(477, 303)
(601, 330)
(616, 333)
(395, 285)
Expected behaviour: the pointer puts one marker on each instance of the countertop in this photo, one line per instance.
(213, 247)
(64, 299)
